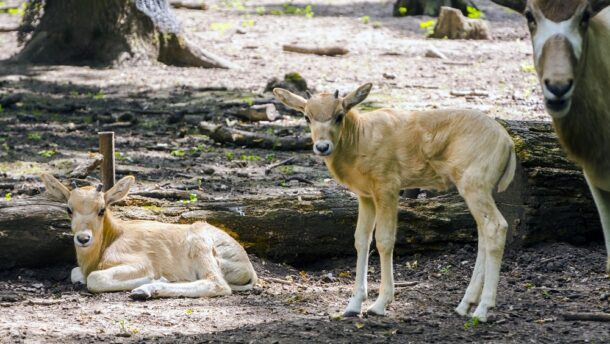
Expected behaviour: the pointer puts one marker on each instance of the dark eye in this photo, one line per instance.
(307, 119)
(339, 118)
(69, 211)
(584, 21)
(101, 213)
(530, 18)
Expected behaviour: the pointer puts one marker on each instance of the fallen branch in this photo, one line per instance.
(327, 51)
(84, 169)
(406, 284)
(237, 137)
(299, 179)
(277, 164)
(262, 112)
(8, 28)
(603, 317)
(473, 93)
(190, 5)
(43, 302)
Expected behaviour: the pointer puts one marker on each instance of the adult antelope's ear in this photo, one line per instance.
(598, 5)
(516, 5)
(356, 97)
(119, 190)
(290, 99)
(55, 188)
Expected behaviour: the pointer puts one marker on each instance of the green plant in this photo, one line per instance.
(99, 95)
(250, 158)
(1, 108)
(365, 19)
(221, 27)
(189, 311)
(34, 136)
(287, 169)
(230, 155)
(528, 285)
(403, 11)
(8, 196)
(474, 13)
(260, 10)
(546, 294)
(445, 269)
(178, 153)
(377, 25)
(47, 153)
(118, 155)
(270, 157)
(528, 68)
(248, 100)
(248, 23)
(428, 26)
(472, 323)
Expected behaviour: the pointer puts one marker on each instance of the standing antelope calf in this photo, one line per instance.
(380, 152)
(571, 42)
(145, 256)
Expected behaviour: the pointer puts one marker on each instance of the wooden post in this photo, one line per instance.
(107, 150)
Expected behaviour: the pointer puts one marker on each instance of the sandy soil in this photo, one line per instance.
(64, 107)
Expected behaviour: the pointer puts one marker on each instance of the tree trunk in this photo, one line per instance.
(104, 32)
(428, 7)
(548, 201)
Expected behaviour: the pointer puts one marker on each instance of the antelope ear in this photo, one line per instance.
(516, 5)
(55, 188)
(290, 99)
(119, 190)
(357, 96)
(598, 5)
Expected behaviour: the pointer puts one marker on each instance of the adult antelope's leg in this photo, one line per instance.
(602, 202)
(494, 230)
(118, 278)
(362, 241)
(385, 236)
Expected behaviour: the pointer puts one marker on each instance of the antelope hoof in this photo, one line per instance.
(140, 294)
(481, 313)
(351, 314)
(463, 308)
(373, 312)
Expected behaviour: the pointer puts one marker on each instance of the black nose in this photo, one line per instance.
(559, 89)
(83, 238)
(322, 147)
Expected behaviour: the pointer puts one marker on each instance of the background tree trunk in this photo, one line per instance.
(428, 7)
(103, 32)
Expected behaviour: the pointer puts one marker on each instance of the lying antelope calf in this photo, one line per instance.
(147, 256)
(378, 153)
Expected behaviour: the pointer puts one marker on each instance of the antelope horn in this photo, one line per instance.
(308, 94)
(337, 94)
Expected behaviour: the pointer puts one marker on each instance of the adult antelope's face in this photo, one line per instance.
(86, 207)
(324, 113)
(559, 36)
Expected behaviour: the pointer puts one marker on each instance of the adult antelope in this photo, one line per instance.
(571, 40)
(377, 153)
(146, 256)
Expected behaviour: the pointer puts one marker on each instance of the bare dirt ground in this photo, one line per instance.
(154, 111)
(537, 287)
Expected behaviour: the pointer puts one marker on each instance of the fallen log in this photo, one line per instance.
(260, 112)
(324, 51)
(190, 5)
(238, 137)
(453, 24)
(548, 201)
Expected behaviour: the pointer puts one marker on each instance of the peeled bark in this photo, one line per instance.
(548, 201)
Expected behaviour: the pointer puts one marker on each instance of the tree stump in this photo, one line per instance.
(107, 32)
(548, 201)
(453, 25)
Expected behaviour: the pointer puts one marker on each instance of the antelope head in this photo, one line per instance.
(559, 36)
(324, 113)
(86, 207)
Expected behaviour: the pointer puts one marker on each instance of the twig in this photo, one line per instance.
(458, 63)
(328, 51)
(603, 317)
(300, 179)
(473, 93)
(277, 164)
(190, 5)
(8, 28)
(431, 87)
(406, 284)
(43, 302)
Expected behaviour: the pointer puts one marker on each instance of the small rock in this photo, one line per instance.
(389, 76)
(435, 53)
